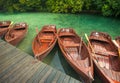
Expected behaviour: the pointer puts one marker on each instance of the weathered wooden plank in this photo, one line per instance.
(13, 61)
(15, 76)
(66, 79)
(15, 55)
(8, 55)
(36, 74)
(61, 78)
(28, 71)
(46, 75)
(2, 42)
(15, 68)
(51, 76)
(5, 50)
(19, 67)
(71, 80)
(41, 74)
(56, 77)
(5, 44)
(76, 81)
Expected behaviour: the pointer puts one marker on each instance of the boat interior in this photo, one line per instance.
(4, 24)
(106, 56)
(74, 47)
(44, 40)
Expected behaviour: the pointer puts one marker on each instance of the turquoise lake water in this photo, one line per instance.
(82, 23)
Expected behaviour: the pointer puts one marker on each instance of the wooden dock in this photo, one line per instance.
(19, 67)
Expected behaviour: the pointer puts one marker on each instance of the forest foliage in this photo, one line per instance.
(105, 7)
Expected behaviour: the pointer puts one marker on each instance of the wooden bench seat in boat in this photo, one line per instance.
(66, 34)
(107, 53)
(72, 45)
(46, 38)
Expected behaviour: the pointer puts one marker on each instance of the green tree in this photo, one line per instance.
(64, 6)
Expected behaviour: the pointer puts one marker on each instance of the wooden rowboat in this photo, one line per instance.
(76, 53)
(4, 27)
(17, 33)
(105, 57)
(44, 41)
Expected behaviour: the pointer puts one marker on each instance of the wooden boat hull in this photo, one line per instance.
(4, 27)
(106, 64)
(16, 36)
(102, 75)
(3, 32)
(41, 46)
(44, 54)
(16, 40)
(84, 77)
(77, 64)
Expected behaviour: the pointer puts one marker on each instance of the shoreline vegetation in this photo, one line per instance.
(106, 7)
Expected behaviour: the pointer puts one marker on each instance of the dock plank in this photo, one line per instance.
(40, 75)
(19, 67)
(8, 56)
(5, 45)
(29, 74)
(66, 79)
(5, 50)
(2, 42)
(71, 80)
(13, 61)
(51, 76)
(56, 77)
(15, 68)
(26, 72)
(76, 81)
(17, 75)
(14, 77)
(36, 74)
(61, 78)
(45, 76)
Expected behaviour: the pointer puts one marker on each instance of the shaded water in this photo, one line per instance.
(82, 23)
